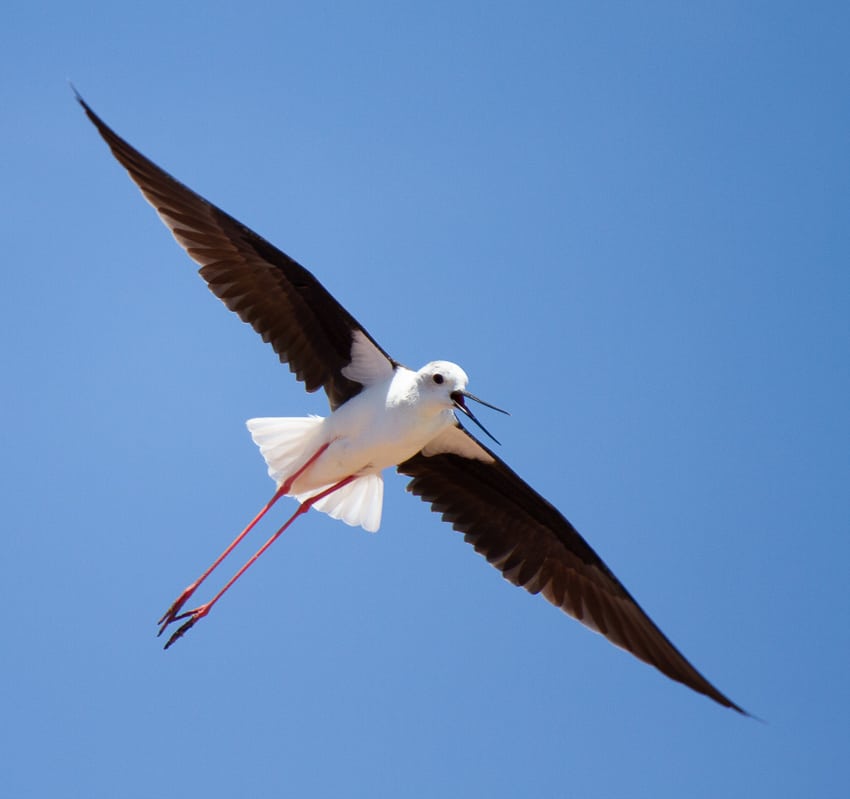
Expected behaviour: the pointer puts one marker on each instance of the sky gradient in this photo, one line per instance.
(628, 225)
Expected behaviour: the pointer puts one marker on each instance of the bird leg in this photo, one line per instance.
(172, 613)
(198, 613)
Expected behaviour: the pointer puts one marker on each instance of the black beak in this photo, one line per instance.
(458, 398)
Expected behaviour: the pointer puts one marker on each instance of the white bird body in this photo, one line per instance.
(389, 421)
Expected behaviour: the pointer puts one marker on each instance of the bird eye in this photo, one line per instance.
(438, 378)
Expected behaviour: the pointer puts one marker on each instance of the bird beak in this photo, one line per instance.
(458, 398)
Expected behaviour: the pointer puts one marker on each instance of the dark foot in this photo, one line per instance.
(180, 632)
(192, 617)
(172, 614)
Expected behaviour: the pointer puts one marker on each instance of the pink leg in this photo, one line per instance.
(201, 611)
(172, 613)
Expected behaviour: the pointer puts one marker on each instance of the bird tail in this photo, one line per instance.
(287, 442)
(358, 504)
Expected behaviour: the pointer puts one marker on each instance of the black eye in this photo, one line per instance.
(438, 378)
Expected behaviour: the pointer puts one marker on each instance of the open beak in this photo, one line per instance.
(459, 397)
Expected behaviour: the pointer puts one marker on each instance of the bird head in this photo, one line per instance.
(446, 383)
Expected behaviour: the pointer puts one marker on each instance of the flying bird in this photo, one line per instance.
(384, 415)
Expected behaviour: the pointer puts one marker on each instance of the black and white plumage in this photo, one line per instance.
(397, 417)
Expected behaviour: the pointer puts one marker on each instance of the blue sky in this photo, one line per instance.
(627, 222)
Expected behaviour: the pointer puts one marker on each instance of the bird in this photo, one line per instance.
(384, 415)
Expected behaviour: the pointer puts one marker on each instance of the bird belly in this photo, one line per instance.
(364, 439)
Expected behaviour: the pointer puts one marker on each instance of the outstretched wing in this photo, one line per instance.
(278, 297)
(535, 547)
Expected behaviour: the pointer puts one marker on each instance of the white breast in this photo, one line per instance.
(384, 425)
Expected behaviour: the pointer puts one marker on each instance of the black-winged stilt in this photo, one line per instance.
(382, 415)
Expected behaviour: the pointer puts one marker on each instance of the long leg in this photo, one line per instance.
(198, 613)
(172, 613)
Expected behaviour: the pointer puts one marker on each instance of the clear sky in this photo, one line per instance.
(627, 222)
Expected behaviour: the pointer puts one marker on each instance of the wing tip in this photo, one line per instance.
(86, 107)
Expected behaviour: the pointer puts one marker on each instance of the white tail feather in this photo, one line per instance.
(284, 442)
(358, 504)
(287, 442)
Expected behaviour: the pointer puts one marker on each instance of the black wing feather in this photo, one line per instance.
(535, 547)
(278, 297)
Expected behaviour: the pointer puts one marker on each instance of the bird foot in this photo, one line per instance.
(172, 614)
(192, 616)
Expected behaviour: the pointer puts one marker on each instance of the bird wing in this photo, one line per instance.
(278, 297)
(535, 547)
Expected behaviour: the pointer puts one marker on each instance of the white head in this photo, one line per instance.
(443, 384)
(438, 380)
